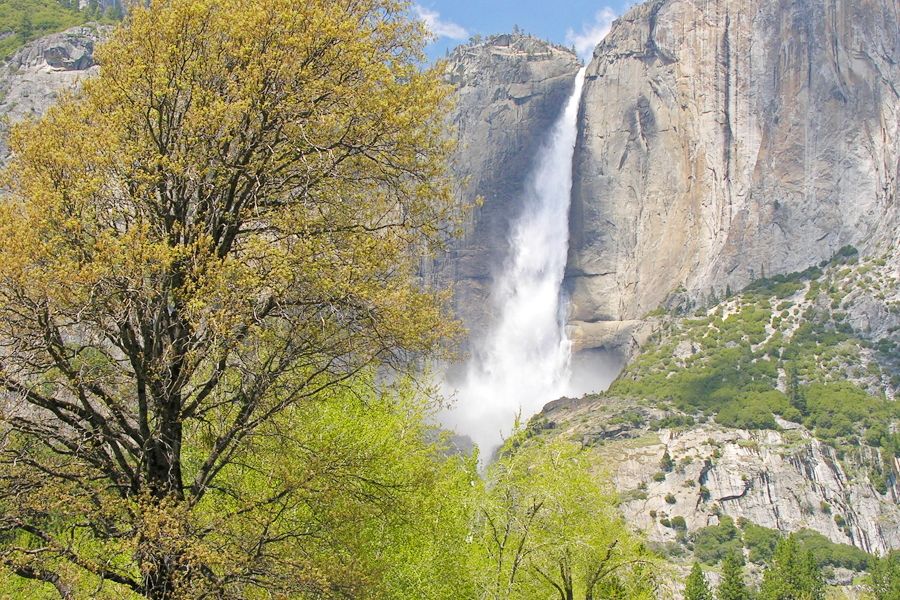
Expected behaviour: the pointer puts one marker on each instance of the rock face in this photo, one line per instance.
(510, 90)
(724, 139)
(785, 480)
(31, 81)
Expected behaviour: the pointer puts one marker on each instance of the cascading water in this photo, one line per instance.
(523, 361)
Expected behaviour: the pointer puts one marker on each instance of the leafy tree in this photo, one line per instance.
(696, 587)
(113, 12)
(885, 583)
(732, 586)
(714, 543)
(549, 528)
(760, 541)
(828, 553)
(792, 574)
(217, 230)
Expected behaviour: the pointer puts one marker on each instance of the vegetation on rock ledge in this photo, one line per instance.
(782, 348)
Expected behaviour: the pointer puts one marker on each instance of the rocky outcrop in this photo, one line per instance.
(510, 90)
(785, 480)
(32, 79)
(722, 140)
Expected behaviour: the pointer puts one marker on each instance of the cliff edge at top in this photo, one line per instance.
(510, 90)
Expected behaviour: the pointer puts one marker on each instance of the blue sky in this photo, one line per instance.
(578, 22)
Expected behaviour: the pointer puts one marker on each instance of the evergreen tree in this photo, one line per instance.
(26, 28)
(792, 574)
(885, 583)
(732, 586)
(113, 12)
(666, 464)
(794, 392)
(696, 587)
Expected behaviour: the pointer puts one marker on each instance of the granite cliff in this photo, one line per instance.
(510, 90)
(720, 142)
(32, 79)
(726, 140)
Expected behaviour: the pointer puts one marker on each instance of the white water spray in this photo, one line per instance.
(523, 361)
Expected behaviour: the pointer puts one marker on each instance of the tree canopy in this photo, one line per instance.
(885, 577)
(221, 227)
(696, 587)
(548, 528)
(732, 586)
(792, 575)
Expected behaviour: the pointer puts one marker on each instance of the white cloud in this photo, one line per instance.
(438, 26)
(591, 33)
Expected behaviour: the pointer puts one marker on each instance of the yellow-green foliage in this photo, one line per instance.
(358, 496)
(219, 229)
(549, 528)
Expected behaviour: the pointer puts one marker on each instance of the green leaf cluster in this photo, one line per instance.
(714, 543)
(885, 580)
(732, 586)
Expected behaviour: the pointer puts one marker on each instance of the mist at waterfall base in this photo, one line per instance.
(525, 358)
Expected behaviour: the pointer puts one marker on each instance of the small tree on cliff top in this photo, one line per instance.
(218, 227)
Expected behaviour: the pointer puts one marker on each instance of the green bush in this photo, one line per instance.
(755, 411)
(666, 464)
(760, 541)
(712, 544)
(828, 553)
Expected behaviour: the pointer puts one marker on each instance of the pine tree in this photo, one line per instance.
(794, 392)
(26, 28)
(696, 587)
(732, 586)
(885, 584)
(792, 574)
(813, 581)
(666, 464)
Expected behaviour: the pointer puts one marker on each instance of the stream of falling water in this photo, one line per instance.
(524, 360)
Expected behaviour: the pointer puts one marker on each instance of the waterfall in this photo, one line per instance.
(523, 361)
